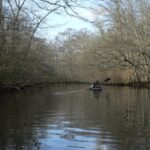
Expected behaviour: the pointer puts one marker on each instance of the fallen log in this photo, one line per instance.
(10, 88)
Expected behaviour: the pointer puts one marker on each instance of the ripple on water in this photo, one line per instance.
(77, 138)
(40, 120)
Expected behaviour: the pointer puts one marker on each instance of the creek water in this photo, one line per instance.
(70, 117)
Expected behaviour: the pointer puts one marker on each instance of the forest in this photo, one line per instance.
(119, 49)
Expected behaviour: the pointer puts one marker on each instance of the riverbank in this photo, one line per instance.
(22, 85)
(15, 86)
(131, 84)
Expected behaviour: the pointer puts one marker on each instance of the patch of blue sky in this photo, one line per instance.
(60, 23)
(57, 23)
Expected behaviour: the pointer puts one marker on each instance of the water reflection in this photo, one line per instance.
(96, 94)
(39, 118)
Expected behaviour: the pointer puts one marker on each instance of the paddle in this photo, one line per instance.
(107, 79)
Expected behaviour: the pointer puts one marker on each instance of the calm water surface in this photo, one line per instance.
(70, 117)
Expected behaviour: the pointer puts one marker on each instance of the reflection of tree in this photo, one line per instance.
(19, 112)
(122, 113)
(128, 117)
(121, 119)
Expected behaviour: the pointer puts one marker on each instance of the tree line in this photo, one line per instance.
(24, 56)
(118, 49)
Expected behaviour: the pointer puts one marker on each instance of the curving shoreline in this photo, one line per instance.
(19, 86)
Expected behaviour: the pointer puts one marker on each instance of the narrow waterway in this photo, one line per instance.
(70, 117)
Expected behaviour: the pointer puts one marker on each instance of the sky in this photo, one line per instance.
(56, 23)
(59, 23)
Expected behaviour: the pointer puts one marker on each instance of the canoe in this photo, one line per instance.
(95, 88)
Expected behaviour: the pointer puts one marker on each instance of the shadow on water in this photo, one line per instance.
(96, 94)
(55, 118)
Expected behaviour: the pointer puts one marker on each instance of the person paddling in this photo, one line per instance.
(96, 84)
